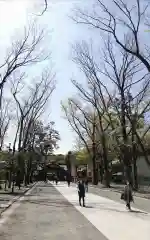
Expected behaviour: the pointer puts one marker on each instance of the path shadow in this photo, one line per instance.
(115, 209)
(12, 194)
(87, 206)
(51, 203)
(122, 211)
(136, 211)
(4, 199)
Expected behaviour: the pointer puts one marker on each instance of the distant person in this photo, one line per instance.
(46, 180)
(81, 192)
(53, 178)
(68, 181)
(56, 179)
(127, 195)
(18, 179)
(86, 185)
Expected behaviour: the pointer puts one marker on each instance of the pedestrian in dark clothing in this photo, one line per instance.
(53, 178)
(68, 180)
(56, 180)
(127, 195)
(81, 193)
(18, 180)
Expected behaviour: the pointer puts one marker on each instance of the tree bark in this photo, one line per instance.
(105, 155)
(95, 177)
(134, 159)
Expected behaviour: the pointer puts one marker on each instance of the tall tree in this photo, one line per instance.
(114, 99)
(32, 105)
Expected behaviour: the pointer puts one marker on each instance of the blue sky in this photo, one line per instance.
(62, 33)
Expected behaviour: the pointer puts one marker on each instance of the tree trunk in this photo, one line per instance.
(101, 174)
(13, 186)
(135, 175)
(10, 179)
(95, 179)
(105, 155)
(128, 173)
(134, 159)
(20, 134)
(125, 149)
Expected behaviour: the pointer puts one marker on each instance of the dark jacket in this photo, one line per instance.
(81, 189)
(86, 182)
(128, 193)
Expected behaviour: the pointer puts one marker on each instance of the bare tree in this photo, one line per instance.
(29, 107)
(123, 77)
(76, 121)
(83, 122)
(131, 17)
(5, 117)
(23, 52)
(46, 89)
(33, 104)
(94, 94)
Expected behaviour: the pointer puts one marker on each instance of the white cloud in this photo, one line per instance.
(12, 16)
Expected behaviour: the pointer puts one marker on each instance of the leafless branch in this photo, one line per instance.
(107, 22)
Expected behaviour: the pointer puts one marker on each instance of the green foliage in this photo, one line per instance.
(46, 137)
(82, 156)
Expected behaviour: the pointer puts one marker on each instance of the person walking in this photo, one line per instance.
(53, 177)
(68, 180)
(81, 192)
(86, 185)
(127, 195)
(56, 179)
(18, 179)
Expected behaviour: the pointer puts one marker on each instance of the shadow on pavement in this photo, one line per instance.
(135, 211)
(55, 201)
(50, 203)
(121, 211)
(4, 199)
(60, 203)
(12, 194)
(87, 206)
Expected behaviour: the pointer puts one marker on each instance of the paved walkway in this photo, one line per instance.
(45, 214)
(110, 217)
(143, 192)
(139, 202)
(53, 212)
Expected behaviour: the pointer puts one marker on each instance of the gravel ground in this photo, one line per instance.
(6, 197)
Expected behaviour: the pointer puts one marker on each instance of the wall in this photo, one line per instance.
(143, 169)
